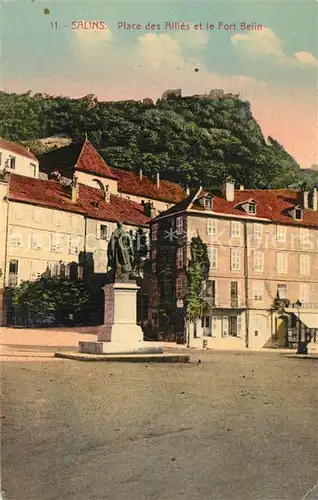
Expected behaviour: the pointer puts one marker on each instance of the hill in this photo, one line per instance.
(190, 140)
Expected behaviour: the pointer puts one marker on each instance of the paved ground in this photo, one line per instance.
(235, 426)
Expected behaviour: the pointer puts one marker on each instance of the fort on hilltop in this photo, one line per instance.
(172, 94)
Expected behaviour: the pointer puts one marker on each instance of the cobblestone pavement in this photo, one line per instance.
(234, 426)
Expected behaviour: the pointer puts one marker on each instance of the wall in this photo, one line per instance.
(97, 246)
(88, 180)
(48, 227)
(22, 163)
(3, 227)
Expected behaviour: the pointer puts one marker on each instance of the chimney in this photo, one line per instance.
(158, 180)
(74, 190)
(228, 189)
(305, 199)
(140, 174)
(315, 200)
(107, 194)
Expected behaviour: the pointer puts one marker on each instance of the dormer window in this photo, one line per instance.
(251, 208)
(207, 200)
(297, 213)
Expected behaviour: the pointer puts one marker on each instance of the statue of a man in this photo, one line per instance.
(120, 252)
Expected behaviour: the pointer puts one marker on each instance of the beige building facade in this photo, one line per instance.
(259, 267)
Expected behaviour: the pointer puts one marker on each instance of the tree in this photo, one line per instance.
(50, 298)
(197, 274)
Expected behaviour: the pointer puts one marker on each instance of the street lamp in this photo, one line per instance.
(302, 348)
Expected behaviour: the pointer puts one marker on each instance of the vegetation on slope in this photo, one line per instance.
(190, 140)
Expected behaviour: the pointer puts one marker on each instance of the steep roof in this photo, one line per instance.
(272, 204)
(76, 156)
(17, 149)
(85, 158)
(130, 183)
(52, 194)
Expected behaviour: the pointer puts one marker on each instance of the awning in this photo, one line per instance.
(308, 319)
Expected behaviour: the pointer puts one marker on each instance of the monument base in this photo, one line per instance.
(120, 348)
(120, 333)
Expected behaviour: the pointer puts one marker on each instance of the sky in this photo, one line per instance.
(275, 67)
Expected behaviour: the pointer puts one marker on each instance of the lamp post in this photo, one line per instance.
(302, 349)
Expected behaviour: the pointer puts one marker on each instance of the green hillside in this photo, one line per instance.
(190, 140)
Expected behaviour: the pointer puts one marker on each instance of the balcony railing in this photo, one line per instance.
(304, 305)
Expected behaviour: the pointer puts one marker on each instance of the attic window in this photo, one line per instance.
(207, 202)
(95, 204)
(298, 213)
(251, 208)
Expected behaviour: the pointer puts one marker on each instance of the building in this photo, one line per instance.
(17, 159)
(263, 254)
(83, 160)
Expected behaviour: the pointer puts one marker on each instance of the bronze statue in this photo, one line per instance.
(120, 253)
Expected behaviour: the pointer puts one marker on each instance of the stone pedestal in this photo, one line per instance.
(120, 333)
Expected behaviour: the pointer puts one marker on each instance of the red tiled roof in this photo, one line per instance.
(54, 195)
(271, 204)
(16, 148)
(117, 210)
(41, 192)
(90, 161)
(130, 183)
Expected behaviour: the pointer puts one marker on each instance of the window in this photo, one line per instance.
(304, 264)
(153, 260)
(258, 292)
(234, 293)
(210, 291)
(36, 273)
(13, 273)
(103, 232)
(11, 162)
(225, 326)
(15, 240)
(33, 169)
(257, 231)
(209, 325)
(54, 268)
(304, 293)
(251, 208)
(179, 257)
(179, 225)
(282, 291)
(57, 218)
(233, 326)
(36, 241)
(213, 256)
(56, 243)
(303, 236)
(207, 202)
(205, 322)
(74, 246)
(281, 234)
(0, 159)
(258, 261)
(74, 222)
(154, 232)
(19, 212)
(211, 227)
(37, 216)
(298, 213)
(179, 288)
(235, 259)
(282, 262)
(235, 229)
